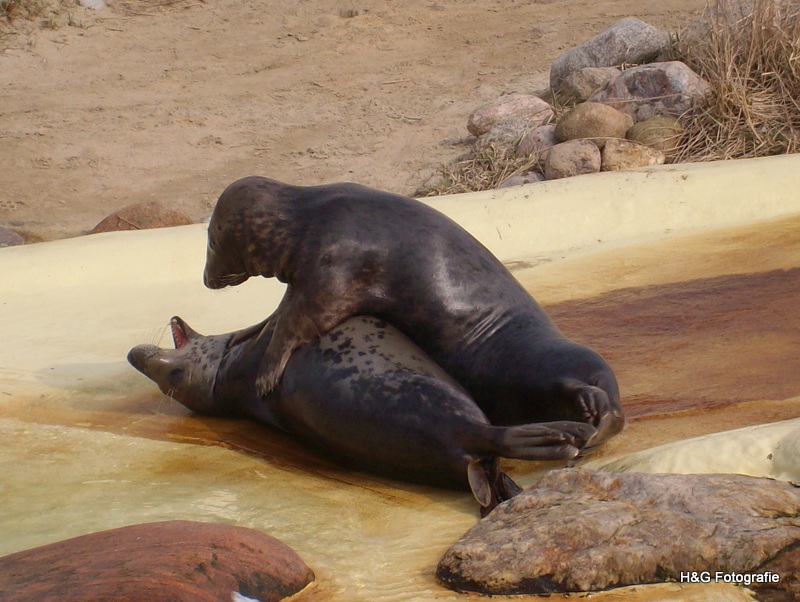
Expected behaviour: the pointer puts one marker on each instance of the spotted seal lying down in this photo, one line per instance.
(365, 394)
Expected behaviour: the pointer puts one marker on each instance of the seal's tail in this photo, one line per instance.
(561, 440)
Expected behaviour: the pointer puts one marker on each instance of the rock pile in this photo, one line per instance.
(621, 91)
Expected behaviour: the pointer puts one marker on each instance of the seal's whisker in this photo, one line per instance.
(156, 335)
(161, 399)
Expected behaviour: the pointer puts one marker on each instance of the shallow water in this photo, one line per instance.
(705, 348)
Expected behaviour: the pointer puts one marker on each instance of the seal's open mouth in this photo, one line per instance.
(178, 332)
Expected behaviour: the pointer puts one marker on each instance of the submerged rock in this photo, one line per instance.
(580, 530)
(172, 561)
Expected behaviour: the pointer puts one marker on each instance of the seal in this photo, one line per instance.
(346, 250)
(364, 394)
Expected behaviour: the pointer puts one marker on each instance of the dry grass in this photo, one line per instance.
(752, 61)
(22, 18)
(484, 169)
(27, 10)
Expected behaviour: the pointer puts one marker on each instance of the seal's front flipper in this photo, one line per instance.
(271, 368)
(293, 327)
(266, 327)
(593, 405)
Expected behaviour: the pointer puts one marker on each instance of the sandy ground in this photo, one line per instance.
(173, 100)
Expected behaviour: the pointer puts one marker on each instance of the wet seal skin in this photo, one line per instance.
(346, 250)
(364, 393)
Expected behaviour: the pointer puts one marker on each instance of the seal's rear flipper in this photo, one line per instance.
(508, 487)
(489, 485)
(560, 440)
(479, 483)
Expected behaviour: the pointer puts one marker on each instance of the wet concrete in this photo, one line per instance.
(703, 332)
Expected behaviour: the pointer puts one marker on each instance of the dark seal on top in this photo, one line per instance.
(346, 250)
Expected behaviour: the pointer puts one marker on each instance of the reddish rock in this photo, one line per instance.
(670, 88)
(511, 106)
(538, 142)
(173, 561)
(142, 216)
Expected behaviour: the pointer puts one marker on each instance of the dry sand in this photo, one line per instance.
(174, 99)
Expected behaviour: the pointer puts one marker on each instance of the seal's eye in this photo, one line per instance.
(175, 377)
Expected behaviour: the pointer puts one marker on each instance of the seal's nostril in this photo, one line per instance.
(139, 355)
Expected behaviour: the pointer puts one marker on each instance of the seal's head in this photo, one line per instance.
(187, 373)
(250, 232)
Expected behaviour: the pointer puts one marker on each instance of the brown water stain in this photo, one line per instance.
(157, 417)
(704, 337)
(700, 344)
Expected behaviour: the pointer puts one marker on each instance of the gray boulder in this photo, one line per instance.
(579, 85)
(732, 16)
(9, 238)
(93, 4)
(504, 134)
(580, 530)
(572, 158)
(530, 177)
(627, 41)
(670, 88)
